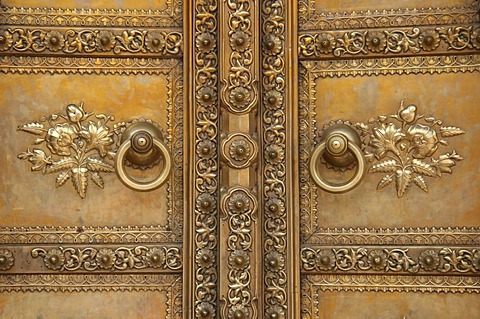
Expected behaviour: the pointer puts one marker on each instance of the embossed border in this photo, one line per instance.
(310, 19)
(169, 17)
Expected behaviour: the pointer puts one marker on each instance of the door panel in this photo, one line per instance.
(390, 246)
(74, 81)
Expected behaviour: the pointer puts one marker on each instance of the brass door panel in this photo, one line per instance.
(404, 242)
(75, 241)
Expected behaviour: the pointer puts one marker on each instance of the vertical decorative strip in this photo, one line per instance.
(206, 159)
(274, 159)
(239, 92)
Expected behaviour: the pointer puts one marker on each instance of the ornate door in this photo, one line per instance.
(239, 159)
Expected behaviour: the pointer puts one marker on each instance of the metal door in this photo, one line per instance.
(239, 159)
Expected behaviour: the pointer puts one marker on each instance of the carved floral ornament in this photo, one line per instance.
(443, 260)
(122, 258)
(6, 259)
(79, 147)
(413, 40)
(403, 147)
(89, 41)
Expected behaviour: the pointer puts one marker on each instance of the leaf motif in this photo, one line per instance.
(32, 128)
(79, 180)
(387, 179)
(97, 179)
(423, 168)
(420, 182)
(63, 164)
(403, 179)
(388, 166)
(97, 165)
(37, 158)
(63, 177)
(449, 131)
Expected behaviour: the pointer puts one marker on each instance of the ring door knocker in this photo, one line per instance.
(337, 143)
(142, 146)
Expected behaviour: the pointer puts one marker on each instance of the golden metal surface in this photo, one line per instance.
(240, 229)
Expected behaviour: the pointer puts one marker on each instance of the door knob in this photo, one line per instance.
(339, 146)
(142, 145)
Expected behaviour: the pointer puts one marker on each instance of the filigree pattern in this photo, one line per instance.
(168, 17)
(122, 258)
(239, 89)
(400, 149)
(391, 259)
(239, 207)
(274, 166)
(78, 147)
(309, 19)
(205, 220)
(73, 41)
(414, 40)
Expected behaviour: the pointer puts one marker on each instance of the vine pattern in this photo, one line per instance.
(239, 206)
(396, 41)
(407, 260)
(122, 258)
(274, 144)
(206, 159)
(72, 41)
(239, 93)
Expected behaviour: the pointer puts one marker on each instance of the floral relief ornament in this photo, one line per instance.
(77, 147)
(404, 149)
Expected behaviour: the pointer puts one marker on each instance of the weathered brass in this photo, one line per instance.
(337, 142)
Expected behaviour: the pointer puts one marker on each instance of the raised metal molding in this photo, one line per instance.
(206, 174)
(88, 235)
(441, 40)
(396, 259)
(76, 65)
(310, 19)
(96, 42)
(398, 65)
(396, 236)
(273, 68)
(170, 17)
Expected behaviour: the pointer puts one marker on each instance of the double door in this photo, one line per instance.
(239, 159)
